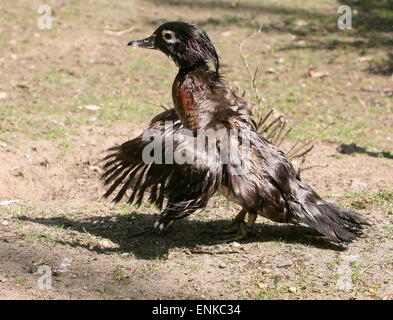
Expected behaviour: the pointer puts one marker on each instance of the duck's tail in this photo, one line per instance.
(336, 223)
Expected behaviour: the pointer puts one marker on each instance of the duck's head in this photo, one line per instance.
(187, 44)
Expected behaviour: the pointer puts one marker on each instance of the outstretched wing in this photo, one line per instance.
(162, 164)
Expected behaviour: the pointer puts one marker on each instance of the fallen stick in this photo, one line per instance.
(119, 33)
(5, 238)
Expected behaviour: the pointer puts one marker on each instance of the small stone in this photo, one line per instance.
(262, 285)
(5, 223)
(284, 264)
(7, 202)
(28, 157)
(301, 23)
(105, 244)
(357, 184)
(226, 33)
(80, 181)
(236, 244)
(313, 73)
(371, 291)
(222, 266)
(3, 95)
(92, 107)
(266, 271)
(292, 290)
(95, 169)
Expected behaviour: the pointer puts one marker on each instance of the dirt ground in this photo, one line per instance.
(69, 93)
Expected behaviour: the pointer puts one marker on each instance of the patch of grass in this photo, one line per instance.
(278, 292)
(197, 267)
(120, 276)
(390, 209)
(367, 199)
(295, 252)
(116, 108)
(66, 147)
(54, 132)
(194, 297)
(333, 263)
(107, 290)
(387, 231)
(358, 270)
(36, 122)
(34, 236)
(8, 16)
(19, 281)
(54, 78)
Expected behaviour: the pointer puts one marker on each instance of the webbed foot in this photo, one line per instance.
(234, 225)
(243, 233)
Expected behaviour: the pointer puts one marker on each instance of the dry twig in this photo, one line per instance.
(272, 125)
(6, 238)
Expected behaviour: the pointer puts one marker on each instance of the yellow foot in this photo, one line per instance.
(243, 233)
(231, 227)
(235, 224)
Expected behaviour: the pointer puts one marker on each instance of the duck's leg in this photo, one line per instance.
(246, 229)
(235, 223)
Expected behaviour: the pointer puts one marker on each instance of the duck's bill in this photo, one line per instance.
(147, 43)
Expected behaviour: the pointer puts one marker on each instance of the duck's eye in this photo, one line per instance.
(167, 36)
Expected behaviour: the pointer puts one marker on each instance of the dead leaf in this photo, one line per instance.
(313, 73)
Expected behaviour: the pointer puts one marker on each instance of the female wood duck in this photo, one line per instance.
(268, 184)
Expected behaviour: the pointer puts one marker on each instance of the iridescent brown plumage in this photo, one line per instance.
(268, 185)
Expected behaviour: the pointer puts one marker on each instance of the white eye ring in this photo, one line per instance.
(169, 36)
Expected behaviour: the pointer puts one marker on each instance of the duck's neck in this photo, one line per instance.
(191, 92)
(200, 66)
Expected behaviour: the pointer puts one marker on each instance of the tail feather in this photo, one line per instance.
(336, 223)
(305, 205)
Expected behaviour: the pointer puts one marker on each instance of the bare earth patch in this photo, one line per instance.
(69, 220)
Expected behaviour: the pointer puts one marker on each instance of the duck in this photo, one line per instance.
(164, 167)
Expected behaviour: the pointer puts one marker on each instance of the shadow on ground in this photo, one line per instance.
(121, 230)
(353, 149)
